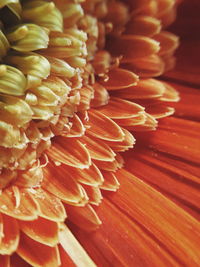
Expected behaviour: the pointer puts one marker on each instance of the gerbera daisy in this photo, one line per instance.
(77, 77)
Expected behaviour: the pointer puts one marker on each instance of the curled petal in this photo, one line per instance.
(134, 46)
(91, 176)
(59, 182)
(70, 152)
(143, 25)
(21, 206)
(28, 250)
(121, 109)
(110, 181)
(85, 217)
(49, 206)
(104, 128)
(41, 230)
(98, 149)
(120, 78)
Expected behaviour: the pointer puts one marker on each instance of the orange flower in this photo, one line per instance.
(68, 111)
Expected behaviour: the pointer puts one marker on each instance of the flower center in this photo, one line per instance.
(43, 55)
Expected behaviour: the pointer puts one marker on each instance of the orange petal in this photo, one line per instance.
(159, 111)
(137, 5)
(177, 143)
(37, 254)
(166, 176)
(143, 25)
(94, 194)
(146, 67)
(101, 96)
(192, 128)
(120, 160)
(127, 143)
(85, 217)
(169, 42)
(145, 89)
(70, 152)
(114, 244)
(110, 166)
(77, 129)
(149, 8)
(91, 176)
(105, 165)
(120, 78)
(50, 207)
(167, 218)
(163, 6)
(169, 16)
(120, 109)
(110, 181)
(10, 240)
(104, 128)
(134, 46)
(20, 206)
(170, 93)
(137, 120)
(98, 149)
(61, 184)
(6, 176)
(150, 124)
(41, 230)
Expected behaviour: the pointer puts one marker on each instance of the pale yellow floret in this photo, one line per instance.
(33, 9)
(13, 81)
(31, 99)
(44, 14)
(14, 110)
(61, 68)
(60, 41)
(17, 33)
(77, 62)
(68, 45)
(43, 112)
(32, 81)
(45, 96)
(81, 35)
(3, 70)
(9, 135)
(30, 64)
(35, 38)
(58, 86)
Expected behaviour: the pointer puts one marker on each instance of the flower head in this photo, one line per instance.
(77, 79)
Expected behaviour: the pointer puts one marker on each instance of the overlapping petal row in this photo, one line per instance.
(76, 78)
